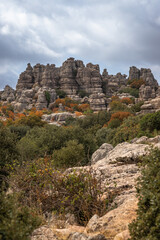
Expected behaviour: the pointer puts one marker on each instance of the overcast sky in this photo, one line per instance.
(116, 34)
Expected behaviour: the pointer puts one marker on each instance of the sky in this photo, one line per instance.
(115, 34)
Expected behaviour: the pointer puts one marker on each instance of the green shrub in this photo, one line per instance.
(119, 106)
(114, 123)
(69, 156)
(31, 121)
(95, 118)
(48, 97)
(132, 91)
(19, 130)
(150, 121)
(147, 224)
(61, 93)
(83, 94)
(8, 152)
(137, 107)
(16, 222)
(127, 131)
(103, 135)
(39, 142)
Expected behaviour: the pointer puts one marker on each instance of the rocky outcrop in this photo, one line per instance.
(146, 92)
(101, 152)
(57, 118)
(149, 89)
(143, 73)
(150, 106)
(71, 77)
(112, 83)
(76, 80)
(97, 101)
(8, 94)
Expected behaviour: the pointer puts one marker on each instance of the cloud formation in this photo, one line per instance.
(116, 34)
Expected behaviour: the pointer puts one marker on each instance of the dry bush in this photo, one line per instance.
(49, 190)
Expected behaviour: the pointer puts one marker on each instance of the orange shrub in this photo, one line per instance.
(38, 113)
(4, 109)
(115, 98)
(137, 83)
(58, 101)
(120, 115)
(126, 100)
(20, 115)
(68, 109)
(11, 114)
(84, 107)
(78, 114)
(55, 110)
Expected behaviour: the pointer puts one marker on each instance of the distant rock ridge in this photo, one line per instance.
(75, 79)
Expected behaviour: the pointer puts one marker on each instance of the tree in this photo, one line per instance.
(69, 156)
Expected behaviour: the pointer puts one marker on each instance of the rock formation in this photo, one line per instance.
(150, 106)
(74, 78)
(112, 83)
(8, 94)
(147, 91)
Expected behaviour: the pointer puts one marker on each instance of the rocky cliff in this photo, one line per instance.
(75, 80)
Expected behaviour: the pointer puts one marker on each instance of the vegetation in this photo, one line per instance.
(16, 221)
(132, 91)
(150, 121)
(48, 97)
(34, 157)
(147, 224)
(61, 93)
(76, 192)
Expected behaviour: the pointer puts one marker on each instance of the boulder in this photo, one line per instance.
(122, 236)
(124, 152)
(116, 220)
(43, 233)
(101, 152)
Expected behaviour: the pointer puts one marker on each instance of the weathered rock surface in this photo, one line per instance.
(57, 117)
(97, 101)
(8, 94)
(101, 152)
(122, 236)
(125, 153)
(112, 83)
(143, 73)
(74, 78)
(151, 106)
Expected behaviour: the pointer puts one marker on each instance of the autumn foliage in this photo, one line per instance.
(70, 106)
(137, 83)
(126, 100)
(117, 118)
(120, 115)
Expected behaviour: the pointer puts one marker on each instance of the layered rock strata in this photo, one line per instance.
(76, 80)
